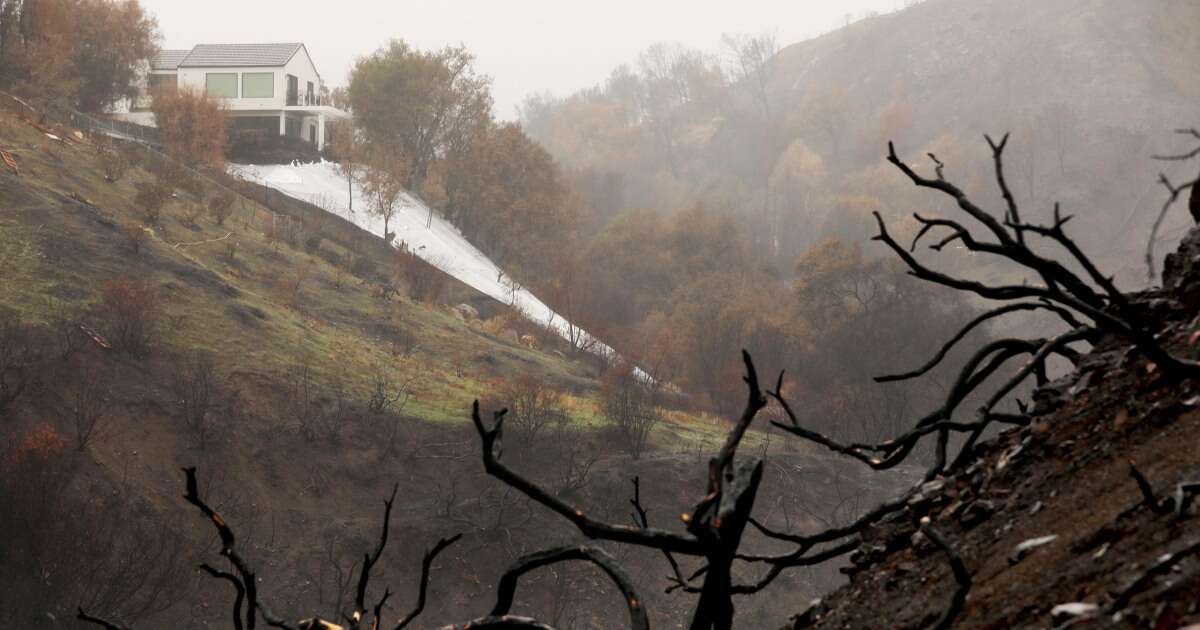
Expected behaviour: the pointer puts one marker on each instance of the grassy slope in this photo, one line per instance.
(55, 255)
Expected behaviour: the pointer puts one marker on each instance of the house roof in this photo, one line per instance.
(239, 55)
(169, 59)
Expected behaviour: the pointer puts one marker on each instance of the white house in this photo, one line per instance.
(274, 88)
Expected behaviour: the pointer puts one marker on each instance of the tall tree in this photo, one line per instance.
(115, 41)
(420, 105)
(85, 53)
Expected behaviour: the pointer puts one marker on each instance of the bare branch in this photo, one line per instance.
(961, 576)
(425, 567)
(507, 589)
(369, 560)
(1173, 195)
(1180, 157)
(592, 528)
(239, 589)
(1013, 215)
(971, 325)
(248, 579)
(103, 623)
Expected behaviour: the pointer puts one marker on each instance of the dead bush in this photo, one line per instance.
(203, 402)
(629, 406)
(151, 199)
(86, 402)
(388, 394)
(131, 309)
(533, 403)
(362, 266)
(176, 176)
(17, 358)
(70, 541)
(571, 455)
(114, 163)
(64, 326)
(302, 403)
(135, 237)
(192, 213)
(220, 206)
(193, 126)
(385, 406)
(336, 416)
(425, 282)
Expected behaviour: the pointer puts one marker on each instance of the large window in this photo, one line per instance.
(163, 83)
(221, 84)
(258, 85)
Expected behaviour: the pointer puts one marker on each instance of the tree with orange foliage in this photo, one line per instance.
(82, 53)
(38, 52)
(193, 127)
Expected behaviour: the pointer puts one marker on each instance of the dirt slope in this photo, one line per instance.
(1067, 475)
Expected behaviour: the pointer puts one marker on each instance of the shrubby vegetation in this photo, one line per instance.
(193, 127)
(81, 53)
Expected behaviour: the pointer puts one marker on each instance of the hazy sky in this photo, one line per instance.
(526, 46)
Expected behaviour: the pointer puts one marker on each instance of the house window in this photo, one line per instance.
(258, 85)
(221, 84)
(163, 83)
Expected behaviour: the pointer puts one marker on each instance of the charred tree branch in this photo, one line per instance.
(961, 576)
(426, 565)
(507, 589)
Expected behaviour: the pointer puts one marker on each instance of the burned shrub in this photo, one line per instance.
(425, 282)
(220, 206)
(114, 163)
(202, 401)
(534, 405)
(151, 199)
(628, 404)
(131, 309)
(17, 357)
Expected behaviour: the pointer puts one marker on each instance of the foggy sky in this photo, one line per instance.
(526, 46)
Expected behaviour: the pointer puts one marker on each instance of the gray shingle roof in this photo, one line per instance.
(239, 55)
(169, 59)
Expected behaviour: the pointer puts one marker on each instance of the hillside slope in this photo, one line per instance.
(1063, 487)
(416, 227)
(1089, 88)
(298, 333)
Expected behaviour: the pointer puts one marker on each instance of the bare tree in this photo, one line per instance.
(627, 404)
(198, 397)
(88, 400)
(17, 357)
(752, 66)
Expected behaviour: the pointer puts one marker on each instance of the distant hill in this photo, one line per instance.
(1090, 89)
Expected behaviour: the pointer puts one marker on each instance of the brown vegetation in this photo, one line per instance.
(193, 127)
(131, 311)
(83, 53)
